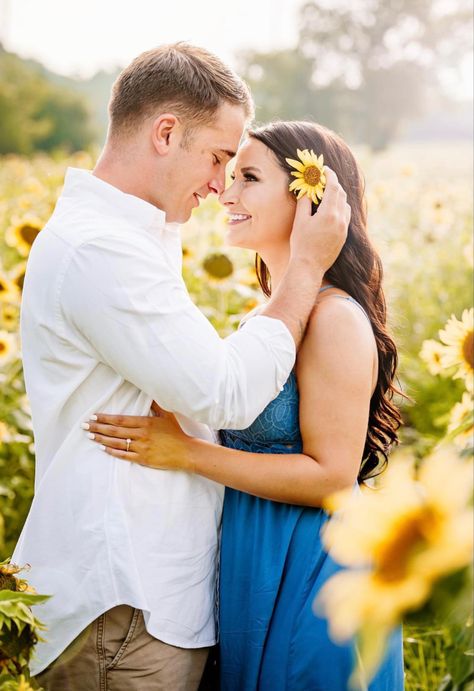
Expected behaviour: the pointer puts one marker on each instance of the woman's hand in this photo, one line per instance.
(157, 442)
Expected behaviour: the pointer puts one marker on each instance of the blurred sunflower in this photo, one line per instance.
(309, 174)
(8, 347)
(8, 317)
(6, 434)
(8, 289)
(458, 336)
(248, 277)
(17, 275)
(22, 234)
(461, 419)
(398, 540)
(218, 266)
(187, 253)
(432, 353)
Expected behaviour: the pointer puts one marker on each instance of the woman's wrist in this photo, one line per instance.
(190, 453)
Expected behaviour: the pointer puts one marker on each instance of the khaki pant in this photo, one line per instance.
(116, 653)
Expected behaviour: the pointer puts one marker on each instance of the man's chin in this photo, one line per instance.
(179, 217)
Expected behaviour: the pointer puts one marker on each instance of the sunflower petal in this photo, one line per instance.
(295, 164)
(296, 184)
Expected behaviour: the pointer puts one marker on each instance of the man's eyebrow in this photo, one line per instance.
(228, 153)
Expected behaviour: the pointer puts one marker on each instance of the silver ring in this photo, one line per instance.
(129, 441)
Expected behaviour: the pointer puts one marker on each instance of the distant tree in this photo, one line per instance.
(387, 53)
(363, 68)
(279, 82)
(37, 114)
(68, 119)
(19, 94)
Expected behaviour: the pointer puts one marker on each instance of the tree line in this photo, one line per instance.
(363, 69)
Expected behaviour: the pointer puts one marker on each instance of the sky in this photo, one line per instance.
(78, 38)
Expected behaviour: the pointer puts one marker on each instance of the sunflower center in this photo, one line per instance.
(19, 280)
(468, 349)
(29, 233)
(3, 287)
(218, 265)
(394, 556)
(312, 175)
(2, 347)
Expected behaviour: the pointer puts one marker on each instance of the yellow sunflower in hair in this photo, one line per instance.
(309, 174)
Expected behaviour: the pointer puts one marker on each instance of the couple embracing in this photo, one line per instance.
(152, 433)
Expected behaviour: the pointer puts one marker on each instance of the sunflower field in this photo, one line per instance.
(413, 563)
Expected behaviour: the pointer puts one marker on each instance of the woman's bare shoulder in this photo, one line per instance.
(337, 324)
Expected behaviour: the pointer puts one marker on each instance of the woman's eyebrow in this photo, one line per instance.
(250, 169)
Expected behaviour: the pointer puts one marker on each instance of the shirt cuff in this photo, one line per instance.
(278, 339)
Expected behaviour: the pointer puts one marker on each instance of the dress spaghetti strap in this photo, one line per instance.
(344, 297)
(321, 290)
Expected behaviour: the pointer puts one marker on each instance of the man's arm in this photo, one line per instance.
(122, 304)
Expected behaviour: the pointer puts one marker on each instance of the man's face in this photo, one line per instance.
(196, 167)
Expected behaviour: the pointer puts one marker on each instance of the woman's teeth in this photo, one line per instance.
(237, 218)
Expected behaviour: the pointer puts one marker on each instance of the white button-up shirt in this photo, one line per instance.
(107, 326)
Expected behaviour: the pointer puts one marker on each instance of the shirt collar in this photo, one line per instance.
(79, 181)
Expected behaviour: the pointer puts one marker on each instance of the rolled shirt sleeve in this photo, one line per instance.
(131, 310)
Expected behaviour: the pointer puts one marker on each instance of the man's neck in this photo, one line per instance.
(117, 169)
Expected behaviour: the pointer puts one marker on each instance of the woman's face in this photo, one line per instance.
(260, 207)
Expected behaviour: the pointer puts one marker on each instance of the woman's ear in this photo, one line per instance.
(163, 130)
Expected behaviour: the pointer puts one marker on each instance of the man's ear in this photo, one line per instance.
(164, 129)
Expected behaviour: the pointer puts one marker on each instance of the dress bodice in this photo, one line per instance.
(276, 429)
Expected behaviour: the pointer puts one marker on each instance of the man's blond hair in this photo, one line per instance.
(179, 78)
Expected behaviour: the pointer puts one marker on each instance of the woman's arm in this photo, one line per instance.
(335, 372)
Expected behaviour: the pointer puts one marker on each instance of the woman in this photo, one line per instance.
(330, 427)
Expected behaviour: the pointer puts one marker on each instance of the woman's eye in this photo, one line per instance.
(217, 160)
(249, 177)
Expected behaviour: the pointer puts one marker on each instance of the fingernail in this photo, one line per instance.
(85, 425)
(91, 435)
(93, 417)
(102, 447)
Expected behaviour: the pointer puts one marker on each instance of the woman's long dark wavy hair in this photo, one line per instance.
(357, 270)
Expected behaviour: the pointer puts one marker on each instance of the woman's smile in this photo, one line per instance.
(235, 219)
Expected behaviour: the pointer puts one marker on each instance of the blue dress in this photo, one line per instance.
(273, 565)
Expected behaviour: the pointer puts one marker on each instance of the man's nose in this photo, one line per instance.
(217, 184)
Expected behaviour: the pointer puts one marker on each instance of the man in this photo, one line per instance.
(129, 554)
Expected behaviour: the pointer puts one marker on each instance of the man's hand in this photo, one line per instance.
(318, 239)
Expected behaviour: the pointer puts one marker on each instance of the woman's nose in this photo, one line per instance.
(229, 196)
